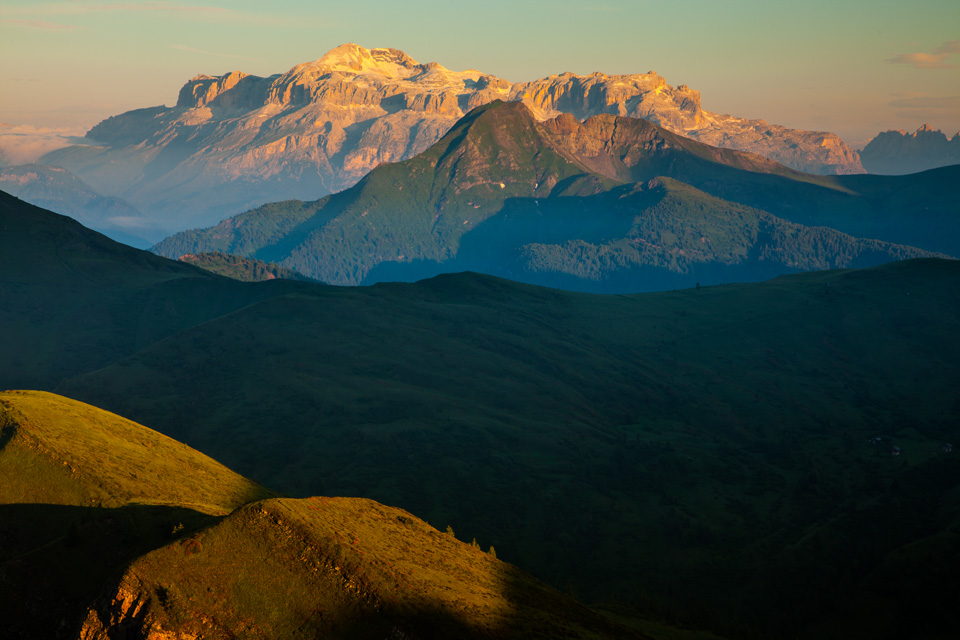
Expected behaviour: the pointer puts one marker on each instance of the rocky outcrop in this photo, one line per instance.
(235, 141)
(899, 152)
(128, 614)
(637, 96)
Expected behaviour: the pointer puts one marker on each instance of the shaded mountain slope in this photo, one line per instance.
(407, 220)
(696, 438)
(74, 300)
(659, 235)
(42, 247)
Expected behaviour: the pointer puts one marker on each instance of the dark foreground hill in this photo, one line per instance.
(111, 530)
(608, 205)
(718, 447)
(769, 456)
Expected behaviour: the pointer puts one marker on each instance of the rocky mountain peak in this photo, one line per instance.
(201, 90)
(353, 75)
(899, 152)
(353, 59)
(638, 95)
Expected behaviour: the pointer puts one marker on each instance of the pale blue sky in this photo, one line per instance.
(853, 67)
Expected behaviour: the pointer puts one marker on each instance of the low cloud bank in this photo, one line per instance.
(23, 144)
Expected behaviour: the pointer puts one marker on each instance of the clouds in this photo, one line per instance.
(20, 144)
(42, 15)
(917, 107)
(75, 7)
(146, 6)
(77, 14)
(939, 59)
(53, 15)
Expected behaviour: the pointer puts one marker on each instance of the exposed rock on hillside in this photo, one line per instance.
(899, 152)
(235, 141)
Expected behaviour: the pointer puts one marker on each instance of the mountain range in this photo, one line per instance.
(610, 204)
(764, 458)
(236, 141)
(899, 152)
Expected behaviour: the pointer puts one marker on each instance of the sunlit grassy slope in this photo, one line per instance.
(107, 523)
(64, 452)
(711, 446)
(339, 568)
(82, 492)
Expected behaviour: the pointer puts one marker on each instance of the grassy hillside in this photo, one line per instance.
(82, 493)
(711, 446)
(339, 568)
(112, 525)
(60, 451)
(444, 211)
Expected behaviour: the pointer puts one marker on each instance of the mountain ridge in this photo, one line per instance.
(431, 213)
(898, 152)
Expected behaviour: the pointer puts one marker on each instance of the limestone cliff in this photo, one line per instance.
(678, 110)
(237, 140)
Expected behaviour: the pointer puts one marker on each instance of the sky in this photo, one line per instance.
(854, 67)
